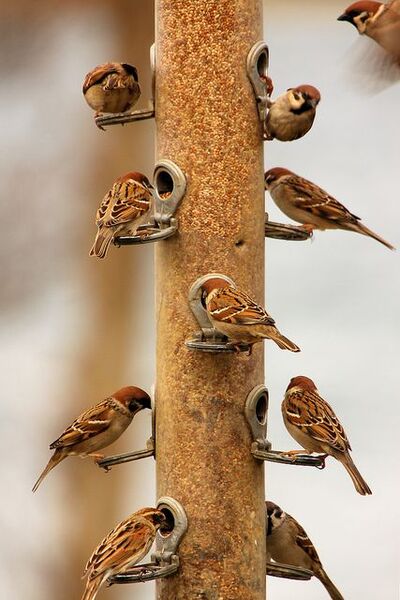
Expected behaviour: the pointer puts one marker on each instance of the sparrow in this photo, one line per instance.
(97, 427)
(111, 88)
(291, 115)
(123, 209)
(289, 544)
(380, 22)
(305, 202)
(122, 548)
(313, 424)
(234, 314)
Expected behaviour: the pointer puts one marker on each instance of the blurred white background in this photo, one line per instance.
(75, 329)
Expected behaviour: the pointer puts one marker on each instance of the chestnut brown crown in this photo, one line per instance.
(133, 398)
(358, 8)
(136, 176)
(214, 283)
(303, 382)
(274, 174)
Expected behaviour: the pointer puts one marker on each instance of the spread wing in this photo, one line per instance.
(310, 413)
(99, 73)
(124, 546)
(318, 202)
(125, 202)
(89, 424)
(233, 306)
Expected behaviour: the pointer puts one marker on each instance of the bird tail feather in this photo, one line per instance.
(57, 457)
(356, 477)
(284, 343)
(329, 585)
(361, 228)
(102, 243)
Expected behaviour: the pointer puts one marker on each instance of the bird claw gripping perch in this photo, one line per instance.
(169, 189)
(257, 72)
(165, 560)
(208, 339)
(119, 459)
(256, 410)
(281, 231)
(105, 119)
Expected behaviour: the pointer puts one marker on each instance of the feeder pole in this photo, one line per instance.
(207, 123)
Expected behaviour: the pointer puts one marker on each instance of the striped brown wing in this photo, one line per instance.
(233, 306)
(129, 201)
(89, 424)
(302, 539)
(318, 202)
(125, 545)
(312, 415)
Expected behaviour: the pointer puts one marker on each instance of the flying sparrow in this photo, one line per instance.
(305, 202)
(111, 88)
(97, 427)
(122, 548)
(380, 22)
(236, 315)
(291, 115)
(313, 424)
(123, 209)
(289, 544)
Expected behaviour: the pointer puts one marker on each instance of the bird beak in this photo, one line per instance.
(344, 17)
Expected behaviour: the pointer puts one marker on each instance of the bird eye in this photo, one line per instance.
(132, 405)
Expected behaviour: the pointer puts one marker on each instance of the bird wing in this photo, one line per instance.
(125, 545)
(99, 73)
(89, 424)
(302, 539)
(129, 200)
(313, 415)
(233, 306)
(319, 203)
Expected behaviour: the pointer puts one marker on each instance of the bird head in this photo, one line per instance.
(303, 98)
(272, 176)
(274, 516)
(133, 398)
(131, 70)
(138, 178)
(214, 283)
(305, 383)
(360, 14)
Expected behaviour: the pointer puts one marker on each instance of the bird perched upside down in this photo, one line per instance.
(122, 548)
(380, 22)
(97, 427)
(289, 544)
(292, 114)
(123, 209)
(236, 315)
(111, 88)
(313, 424)
(305, 202)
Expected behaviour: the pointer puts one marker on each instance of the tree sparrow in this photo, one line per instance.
(380, 22)
(289, 544)
(305, 202)
(122, 548)
(313, 424)
(236, 315)
(97, 427)
(291, 115)
(111, 88)
(123, 209)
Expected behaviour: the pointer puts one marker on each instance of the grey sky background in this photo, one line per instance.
(336, 296)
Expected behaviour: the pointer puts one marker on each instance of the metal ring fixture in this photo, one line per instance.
(281, 231)
(288, 572)
(169, 189)
(209, 339)
(165, 561)
(106, 119)
(257, 71)
(256, 408)
(119, 459)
